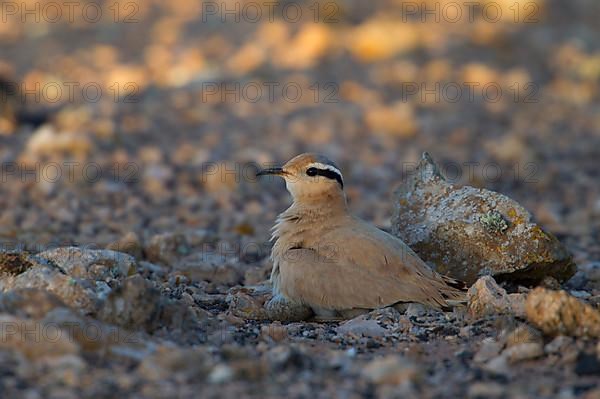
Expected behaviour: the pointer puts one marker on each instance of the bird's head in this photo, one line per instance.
(309, 176)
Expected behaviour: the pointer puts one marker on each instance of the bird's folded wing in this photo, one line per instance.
(369, 270)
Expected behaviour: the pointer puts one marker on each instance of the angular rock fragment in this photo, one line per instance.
(361, 327)
(468, 232)
(486, 298)
(558, 313)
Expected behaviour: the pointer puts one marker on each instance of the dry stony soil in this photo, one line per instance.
(139, 129)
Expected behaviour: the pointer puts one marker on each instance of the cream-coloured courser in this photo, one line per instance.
(334, 262)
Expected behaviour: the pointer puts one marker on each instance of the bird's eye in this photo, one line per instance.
(311, 171)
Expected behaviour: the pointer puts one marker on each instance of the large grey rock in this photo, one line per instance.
(467, 232)
(81, 278)
(23, 271)
(100, 283)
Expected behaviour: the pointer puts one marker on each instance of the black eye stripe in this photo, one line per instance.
(330, 174)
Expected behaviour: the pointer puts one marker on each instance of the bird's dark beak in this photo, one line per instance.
(271, 171)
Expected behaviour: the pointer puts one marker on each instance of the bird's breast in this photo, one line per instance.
(298, 233)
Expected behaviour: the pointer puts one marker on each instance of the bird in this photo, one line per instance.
(335, 263)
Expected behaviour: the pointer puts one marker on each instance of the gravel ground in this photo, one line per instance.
(139, 128)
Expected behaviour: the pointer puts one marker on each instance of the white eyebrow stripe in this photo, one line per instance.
(320, 165)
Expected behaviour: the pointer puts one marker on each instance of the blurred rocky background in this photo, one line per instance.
(137, 126)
